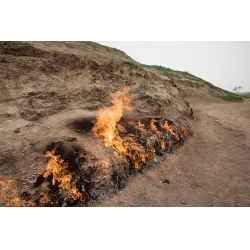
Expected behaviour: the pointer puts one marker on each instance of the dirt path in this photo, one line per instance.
(211, 169)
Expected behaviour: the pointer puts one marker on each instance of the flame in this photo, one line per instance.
(183, 132)
(58, 168)
(9, 194)
(105, 127)
(155, 130)
(129, 147)
(142, 128)
(137, 155)
(105, 124)
(45, 199)
(141, 125)
(164, 124)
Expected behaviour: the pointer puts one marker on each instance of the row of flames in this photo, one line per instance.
(105, 127)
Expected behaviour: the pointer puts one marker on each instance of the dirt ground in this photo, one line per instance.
(211, 169)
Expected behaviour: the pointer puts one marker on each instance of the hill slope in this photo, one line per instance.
(41, 78)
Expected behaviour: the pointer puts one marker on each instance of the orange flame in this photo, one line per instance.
(155, 130)
(9, 194)
(105, 127)
(58, 168)
(182, 133)
(107, 119)
(170, 129)
(45, 199)
(142, 128)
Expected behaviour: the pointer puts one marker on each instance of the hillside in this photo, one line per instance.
(51, 92)
(181, 75)
(41, 78)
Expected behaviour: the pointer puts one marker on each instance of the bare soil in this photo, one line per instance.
(211, 169)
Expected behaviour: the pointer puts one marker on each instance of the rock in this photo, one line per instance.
(166, 181)
(71, 139)
(17, 130)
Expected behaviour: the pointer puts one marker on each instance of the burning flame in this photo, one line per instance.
(142, 128)
(60, 174)
(170, 129)
(107, 119)
(9, 194)
(128, 146)
(58, 168)
(45, 199)
(155, 130)
(105, 127)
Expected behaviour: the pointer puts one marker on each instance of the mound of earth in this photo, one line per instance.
(50, 94)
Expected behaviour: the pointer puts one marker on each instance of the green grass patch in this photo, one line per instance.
(246, 95)
(211, 86)
(232, 98)
(175, 74)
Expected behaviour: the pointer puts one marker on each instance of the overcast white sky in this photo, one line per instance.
(224, 64)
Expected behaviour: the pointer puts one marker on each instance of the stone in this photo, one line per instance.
(166, 181)
(17, 130)
(71, 139)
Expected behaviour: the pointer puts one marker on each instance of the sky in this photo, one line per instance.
(224, 64)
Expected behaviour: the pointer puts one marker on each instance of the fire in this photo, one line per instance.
(148, 139)
(183, 132)
(142, 128)
(105, 124)
(155, 130)
(170, 129)
(136, 148)
(59, 170)
(105, 127)
(60, 174)
(45, 199)
(134, 152)
(9, 194)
